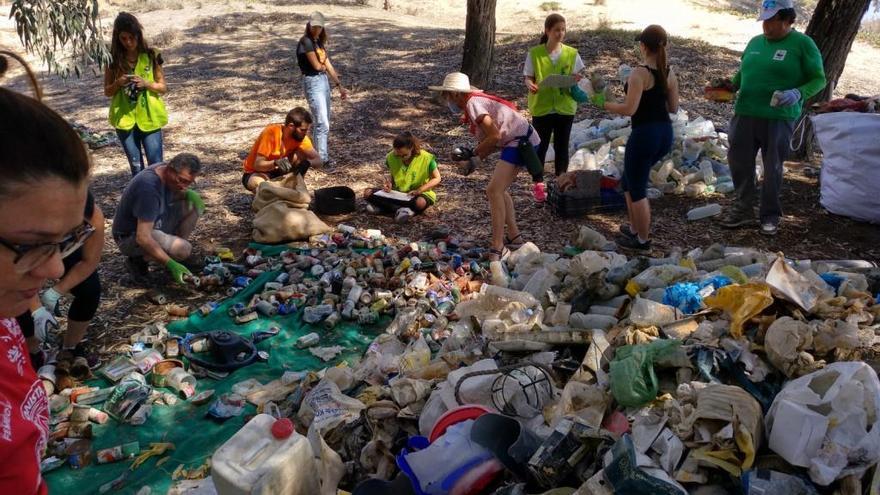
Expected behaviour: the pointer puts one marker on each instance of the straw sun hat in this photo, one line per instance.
(455, 82)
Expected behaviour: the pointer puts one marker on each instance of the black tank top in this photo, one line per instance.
(652, 106)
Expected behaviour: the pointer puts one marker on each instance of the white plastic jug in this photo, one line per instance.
(255, 461)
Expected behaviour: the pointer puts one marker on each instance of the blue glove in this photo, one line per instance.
(785, 98)
(579, 95)
(50, 298)
(44, 324)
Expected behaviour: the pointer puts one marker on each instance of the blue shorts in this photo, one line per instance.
(511, 155)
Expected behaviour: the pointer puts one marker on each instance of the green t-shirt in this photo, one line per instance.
(412, 176)
(794, 62)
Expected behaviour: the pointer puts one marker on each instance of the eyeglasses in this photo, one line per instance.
(30, 256)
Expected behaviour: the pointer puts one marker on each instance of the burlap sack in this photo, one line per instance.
(290, 188)
(281, 221)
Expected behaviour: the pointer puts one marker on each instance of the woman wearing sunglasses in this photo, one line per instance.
(44, 172)
(82, 283)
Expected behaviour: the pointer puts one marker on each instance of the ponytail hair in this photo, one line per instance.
(655, 39)
(551, 21)
(406, 139)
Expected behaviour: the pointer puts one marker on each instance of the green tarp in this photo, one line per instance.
(195, 436)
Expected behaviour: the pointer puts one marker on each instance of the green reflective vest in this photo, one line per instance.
(147, 111)
(412, 176)
(552, 100)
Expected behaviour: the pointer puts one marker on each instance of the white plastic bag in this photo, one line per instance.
(828, 421)
(851, 164)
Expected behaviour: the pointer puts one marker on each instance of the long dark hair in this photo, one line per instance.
(37, 143)
(655, 39)
(322, 38)
(406, 139)
(127, 23)
(549, 22)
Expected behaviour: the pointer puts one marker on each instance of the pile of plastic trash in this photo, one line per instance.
(697, 164)
(715, 370)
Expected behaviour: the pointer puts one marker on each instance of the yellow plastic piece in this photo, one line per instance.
(741, 302)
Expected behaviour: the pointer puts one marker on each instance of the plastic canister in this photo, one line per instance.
(265, 457)
(181, 381)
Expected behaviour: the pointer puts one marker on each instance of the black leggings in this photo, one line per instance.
(559, 126)
(389, 205)
(86, 298)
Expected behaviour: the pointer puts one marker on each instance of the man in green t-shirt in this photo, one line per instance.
(780, 69)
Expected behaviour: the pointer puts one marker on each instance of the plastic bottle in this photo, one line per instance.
(499, 276)
(707, 172)
(694, 190)
(511, 295)
(265, 456)
(702, 212)
(314, 314)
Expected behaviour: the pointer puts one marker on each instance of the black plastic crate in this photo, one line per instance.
(567, 206)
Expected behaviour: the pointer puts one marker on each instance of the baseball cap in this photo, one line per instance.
(769, 8)
(317, 19)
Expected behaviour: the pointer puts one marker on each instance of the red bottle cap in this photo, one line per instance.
(282, 428)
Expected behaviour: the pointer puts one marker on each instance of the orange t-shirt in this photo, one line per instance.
(271, 145)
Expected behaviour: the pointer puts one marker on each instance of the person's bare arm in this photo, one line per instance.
(151, 248)
(310, 155)
(263, 164)
(672, 93)
(531, 85)
(111, 84)
(492, 136)
(158, 86)
(635, 86)
(335, 77)
(91, 256)
(433, 182)
(312, 57)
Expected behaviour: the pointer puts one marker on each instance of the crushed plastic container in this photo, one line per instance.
(265, 457)
(702, 212)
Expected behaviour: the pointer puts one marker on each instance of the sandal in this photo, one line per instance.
(512, 242)
(496, 255)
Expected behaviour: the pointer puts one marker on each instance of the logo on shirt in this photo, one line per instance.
(35, 408)
(5, 419)
(15, 341)
(780, 55)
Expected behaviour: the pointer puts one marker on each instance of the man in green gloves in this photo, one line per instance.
(157, 213)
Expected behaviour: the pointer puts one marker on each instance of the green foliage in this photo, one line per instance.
(549, 6)
(65, 34)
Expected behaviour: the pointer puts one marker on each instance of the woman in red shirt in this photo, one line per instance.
(44, 171)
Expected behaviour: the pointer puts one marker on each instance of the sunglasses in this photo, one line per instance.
(30, 256)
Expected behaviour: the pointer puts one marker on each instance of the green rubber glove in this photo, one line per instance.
(195, 201)
(598, 99)
(177, 271)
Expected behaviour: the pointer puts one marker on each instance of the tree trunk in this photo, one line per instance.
(479, 42)
(833, 27)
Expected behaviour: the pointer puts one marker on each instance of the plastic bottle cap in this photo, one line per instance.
(282, 428)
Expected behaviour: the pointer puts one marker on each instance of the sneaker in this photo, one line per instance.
(634, 243)
(626, 230)
(403, 215)
(371, 209)
(770, 227)
(734, 219)
(137, 266)
(539, 192)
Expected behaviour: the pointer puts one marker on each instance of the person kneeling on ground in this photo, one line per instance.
(156, 215)
(82, 283)
(413, 171)
(280, 150)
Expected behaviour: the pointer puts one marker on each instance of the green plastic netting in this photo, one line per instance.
(195, 436)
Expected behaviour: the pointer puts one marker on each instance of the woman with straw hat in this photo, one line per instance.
(499, 127)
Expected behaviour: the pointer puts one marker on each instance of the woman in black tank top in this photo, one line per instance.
(651, 95)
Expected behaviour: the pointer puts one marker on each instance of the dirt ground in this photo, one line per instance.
(231, 69)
